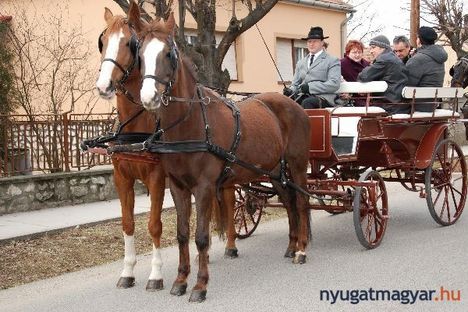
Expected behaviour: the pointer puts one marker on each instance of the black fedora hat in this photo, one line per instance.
(315, 33)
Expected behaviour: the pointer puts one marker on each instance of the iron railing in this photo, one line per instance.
(49, 143)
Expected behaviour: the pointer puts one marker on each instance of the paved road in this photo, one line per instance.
(416, 254)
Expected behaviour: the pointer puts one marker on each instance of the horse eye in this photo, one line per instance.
(168, 54)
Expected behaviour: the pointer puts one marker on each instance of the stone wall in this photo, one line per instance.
(24, 193)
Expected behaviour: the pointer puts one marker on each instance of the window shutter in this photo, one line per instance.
(284, 59)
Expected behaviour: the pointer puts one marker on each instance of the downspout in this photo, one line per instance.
(343, 35)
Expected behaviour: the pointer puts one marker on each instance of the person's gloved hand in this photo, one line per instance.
(305, 88)
(287, 91)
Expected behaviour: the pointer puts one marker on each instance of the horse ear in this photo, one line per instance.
(170, 23)
(134, 16)
(108, 15)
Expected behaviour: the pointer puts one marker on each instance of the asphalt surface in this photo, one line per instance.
(416, 254)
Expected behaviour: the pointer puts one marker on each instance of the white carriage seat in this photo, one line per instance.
(430, 93)
(362, 87)
(345, 120)
(345, 129)
(439, 113)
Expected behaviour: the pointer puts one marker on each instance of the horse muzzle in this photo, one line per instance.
(106, 92)
(152, 104)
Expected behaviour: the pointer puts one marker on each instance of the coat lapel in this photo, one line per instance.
(316, 62)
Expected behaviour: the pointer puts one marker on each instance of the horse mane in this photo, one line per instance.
(189, 65)
(157, 29)
(118, 21)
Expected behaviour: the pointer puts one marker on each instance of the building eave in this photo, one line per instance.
(342, 7)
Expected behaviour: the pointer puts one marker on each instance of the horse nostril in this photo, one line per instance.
(157, 98)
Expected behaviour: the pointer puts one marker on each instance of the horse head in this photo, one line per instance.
(459, 73)
(119, 46)
(159, 62)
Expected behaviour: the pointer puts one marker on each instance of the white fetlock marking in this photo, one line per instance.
(300, 253)
(156, 265)
(130, 256)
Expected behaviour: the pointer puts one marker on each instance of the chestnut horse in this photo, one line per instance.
(120, 75)
(273, 137)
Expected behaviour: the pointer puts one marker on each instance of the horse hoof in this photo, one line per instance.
(289, 253)
(126, 282)
(299, 259)
(179, 289)
(198, 296)
(231, 253)
(154, 285)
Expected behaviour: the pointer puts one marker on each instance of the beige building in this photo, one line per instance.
(248, 61)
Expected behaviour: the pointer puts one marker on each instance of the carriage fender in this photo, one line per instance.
(428, 144)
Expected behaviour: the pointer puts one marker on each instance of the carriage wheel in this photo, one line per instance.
(247, 211)
(333, 174)
(446, 183)
(370, 210)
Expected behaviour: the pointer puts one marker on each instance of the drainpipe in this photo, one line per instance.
(343, 35)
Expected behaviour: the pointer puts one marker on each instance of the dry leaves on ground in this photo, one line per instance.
(49, 255)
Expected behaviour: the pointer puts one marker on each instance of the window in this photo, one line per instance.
(288, 53)
(230, 59)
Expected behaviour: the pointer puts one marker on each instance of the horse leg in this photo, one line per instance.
(301, 206)
(203, 198)
(156, 185)
(126, 193)
(182, 201)
(288, 202)
(229, 201)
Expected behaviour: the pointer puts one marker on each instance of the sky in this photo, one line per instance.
(394, 15)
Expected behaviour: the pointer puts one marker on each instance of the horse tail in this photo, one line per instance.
(219, 217)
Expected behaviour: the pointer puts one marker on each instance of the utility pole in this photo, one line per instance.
(414, 21)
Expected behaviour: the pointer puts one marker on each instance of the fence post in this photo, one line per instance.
(66, 142)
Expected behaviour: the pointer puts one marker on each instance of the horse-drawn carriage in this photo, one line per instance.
(264, 146)
(361, 148)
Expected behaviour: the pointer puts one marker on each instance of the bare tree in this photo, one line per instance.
(206, 53)
(51, 63)
(51, 74)
(448, 17)
(364, 23)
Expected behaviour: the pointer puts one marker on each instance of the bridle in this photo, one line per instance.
(174, 59)
(134, 45)
(463, 64)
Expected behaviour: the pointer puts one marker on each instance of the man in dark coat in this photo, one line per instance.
(402, 48)
(389, 68)
(426, 67)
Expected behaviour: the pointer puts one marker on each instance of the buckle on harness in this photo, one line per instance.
(230, 157)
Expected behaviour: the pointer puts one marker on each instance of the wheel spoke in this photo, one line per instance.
(244, 222)
(443, 205)
(455, 180)
(437, 198)
(454, 200)
(448, 205)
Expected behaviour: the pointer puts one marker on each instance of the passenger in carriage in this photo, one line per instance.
(389, 68)
(402, 48)
(351, 65)
(426, 67)
(317, 76)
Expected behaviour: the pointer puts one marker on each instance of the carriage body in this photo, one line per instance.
(355, 150)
